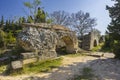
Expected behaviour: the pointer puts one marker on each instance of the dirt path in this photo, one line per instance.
(104, 67)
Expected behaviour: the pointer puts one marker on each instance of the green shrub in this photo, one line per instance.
(2, 68)
(2, 39)
(107, 46)
(116, 50)
(10, 39)
(98, 48)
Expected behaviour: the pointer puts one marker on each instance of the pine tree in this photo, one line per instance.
(30, 19)
(21, 20)
(2, 39)
(2, 22)
(114, 27)
(32, 6)
(40, 17)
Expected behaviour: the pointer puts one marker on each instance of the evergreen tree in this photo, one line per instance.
(20, 20)
(30, 19)
(114, 27)
(2, 39)
(32, 6)
(2, 22)
(40, 17)
(6, 26)
(37, 14)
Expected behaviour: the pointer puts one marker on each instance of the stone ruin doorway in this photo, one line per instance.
(65, 45)
(95, 43)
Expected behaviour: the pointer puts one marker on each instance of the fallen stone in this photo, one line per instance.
(28, 55)
(16, 65)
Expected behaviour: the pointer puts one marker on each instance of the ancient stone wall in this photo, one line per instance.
(42, 39)
(90, 40)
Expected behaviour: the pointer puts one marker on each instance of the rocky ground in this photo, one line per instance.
(104, 67)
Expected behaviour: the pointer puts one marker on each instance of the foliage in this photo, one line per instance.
(2, 39)
(32, 6)
(9, 30)
(21, 20)
(10, 39)
(37, 14)
(116, 49)
(41, 16)
(30, 19)
(98, 48)
(12, 27)
(2, 68)
(114, 27)
(107, 46)
(9, 33)
(2, 22)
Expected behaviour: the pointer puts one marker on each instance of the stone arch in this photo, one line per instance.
(68, 44)
(95, 43)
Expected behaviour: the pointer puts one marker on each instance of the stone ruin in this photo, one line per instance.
(44, 39)
(91, 40)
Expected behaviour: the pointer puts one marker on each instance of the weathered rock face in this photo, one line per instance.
(16, 65)
(32, 38)
(44, 38)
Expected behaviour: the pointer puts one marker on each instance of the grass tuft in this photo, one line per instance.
(2, 69)
(41, 66)
(98, 48)
(76, 55)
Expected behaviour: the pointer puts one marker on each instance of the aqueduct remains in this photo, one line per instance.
(46, 38)
(90, 41)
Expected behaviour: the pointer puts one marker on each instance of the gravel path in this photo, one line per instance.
(105, 68)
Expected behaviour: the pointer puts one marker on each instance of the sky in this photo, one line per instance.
(96, 8)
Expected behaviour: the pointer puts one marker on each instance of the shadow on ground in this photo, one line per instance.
(104, 69)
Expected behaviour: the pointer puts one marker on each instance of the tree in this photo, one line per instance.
(2, 39)
(21, 20)
(60, 17)
(114, 27)
(41, 16)
(82, 22)
(2, 22)
(36, 13)
(30, 19)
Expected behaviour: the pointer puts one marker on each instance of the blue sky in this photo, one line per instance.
(96, 8)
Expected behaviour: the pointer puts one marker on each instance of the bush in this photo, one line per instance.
(98, 48)
(2, 38)
(10, 39)
(107, 46)
(116, 50)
